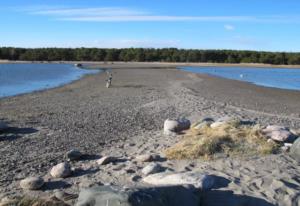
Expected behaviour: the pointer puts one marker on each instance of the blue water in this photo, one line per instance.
(270, 77)
(23, 78)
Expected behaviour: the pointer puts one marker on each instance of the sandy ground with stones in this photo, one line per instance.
(126, 120)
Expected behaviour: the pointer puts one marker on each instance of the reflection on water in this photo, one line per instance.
(23, 78)
(271, 77)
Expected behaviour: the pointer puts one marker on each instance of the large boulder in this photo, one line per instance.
(157, 196)
(279, 133)
(32, 183)
(198, 180)
(295, 150)
(61, 170)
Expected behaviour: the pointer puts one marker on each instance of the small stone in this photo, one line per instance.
(61, 170)
(175, 126)
(106, 160)
(171, 126)
(198, 180)
(144, 158)
(135, 178)
(73, 155)
(152, 168)
(32, 183)
(184, 124)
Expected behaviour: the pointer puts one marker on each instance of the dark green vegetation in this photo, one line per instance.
(148, 55)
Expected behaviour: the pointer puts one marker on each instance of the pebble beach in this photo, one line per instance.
(126, 120)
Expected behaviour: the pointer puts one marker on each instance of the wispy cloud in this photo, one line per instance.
(119, 14)
(229, 27)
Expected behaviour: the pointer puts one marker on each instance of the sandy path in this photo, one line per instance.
(126, 120)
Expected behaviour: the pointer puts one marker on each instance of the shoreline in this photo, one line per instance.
(126, 121)
(61, 85)
(153, 64)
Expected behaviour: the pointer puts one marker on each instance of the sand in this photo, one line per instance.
(126, 120)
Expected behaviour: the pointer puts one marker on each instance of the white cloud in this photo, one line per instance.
(229, 27)
(100, 43)
(119, 14)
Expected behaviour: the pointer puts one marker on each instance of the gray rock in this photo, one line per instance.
(184, 124)
(152, 168)
(158, 196)
(198, 180)
(144, 158)
(61, 170)
(32, 183)
(73, 155)
(295, 150)
(106, 160)
(279, 133)
(175, 126)
(171, 126)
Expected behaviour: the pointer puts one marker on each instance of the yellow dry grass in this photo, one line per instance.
(231, 138)
(28, 201)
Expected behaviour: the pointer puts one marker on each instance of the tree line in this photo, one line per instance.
(149, 55)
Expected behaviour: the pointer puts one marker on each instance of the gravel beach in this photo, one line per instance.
(126, 120)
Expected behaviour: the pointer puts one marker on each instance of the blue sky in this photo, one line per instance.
(271, 25)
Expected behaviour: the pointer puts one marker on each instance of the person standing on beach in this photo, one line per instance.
(109, 80)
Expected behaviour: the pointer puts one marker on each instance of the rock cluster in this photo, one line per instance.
(279, 133)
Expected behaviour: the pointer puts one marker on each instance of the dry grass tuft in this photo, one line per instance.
(28, 201)
(231, 138)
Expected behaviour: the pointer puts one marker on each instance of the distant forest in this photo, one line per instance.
(149, 55)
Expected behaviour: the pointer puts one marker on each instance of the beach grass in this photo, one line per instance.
(233, 138)
(29, 201)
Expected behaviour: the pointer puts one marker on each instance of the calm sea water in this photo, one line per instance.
(23, 78)
(270, 77)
